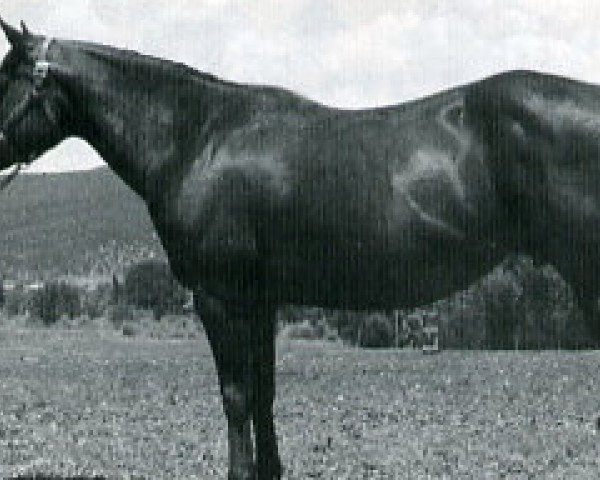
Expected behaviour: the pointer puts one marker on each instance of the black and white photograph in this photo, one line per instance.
(300, 239)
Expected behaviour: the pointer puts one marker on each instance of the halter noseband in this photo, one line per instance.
(39, 75)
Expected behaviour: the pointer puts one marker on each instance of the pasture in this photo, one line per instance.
(97, 403)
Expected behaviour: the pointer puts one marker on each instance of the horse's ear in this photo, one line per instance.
(26, 32)
(14, 36)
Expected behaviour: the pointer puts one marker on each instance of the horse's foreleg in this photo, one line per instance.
(268, 465)
(230, 340)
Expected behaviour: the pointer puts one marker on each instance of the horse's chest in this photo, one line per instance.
(204, 242)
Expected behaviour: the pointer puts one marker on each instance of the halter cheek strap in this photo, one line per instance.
(40, 73)
(40, 70)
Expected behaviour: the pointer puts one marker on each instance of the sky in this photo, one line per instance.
(346, 53)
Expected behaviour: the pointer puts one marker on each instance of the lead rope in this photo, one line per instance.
(7, 179)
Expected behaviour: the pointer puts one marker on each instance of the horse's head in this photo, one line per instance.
(30, 100)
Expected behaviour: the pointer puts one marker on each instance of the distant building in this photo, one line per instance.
(33, 287)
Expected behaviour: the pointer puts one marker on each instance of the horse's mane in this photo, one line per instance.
(158, 66)
(151, 69)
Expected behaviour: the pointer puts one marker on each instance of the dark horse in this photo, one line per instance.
(262, 198)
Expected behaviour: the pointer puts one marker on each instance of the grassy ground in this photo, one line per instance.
(88, 402)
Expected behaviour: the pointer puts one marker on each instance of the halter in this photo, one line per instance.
(39, 75)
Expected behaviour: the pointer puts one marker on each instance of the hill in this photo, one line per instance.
(77, 223)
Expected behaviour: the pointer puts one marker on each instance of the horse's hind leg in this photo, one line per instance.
(268, 465)
(228, 333)
(581, 270)
(586, 297)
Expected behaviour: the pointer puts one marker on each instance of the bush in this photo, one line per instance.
(376, 331)
(54, 300)
(346, 324)
(151, 285)
(119, 314)
(130, 330)
(15, 301)
(96, 302)
(501, 301)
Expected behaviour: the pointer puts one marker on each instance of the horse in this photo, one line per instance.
(262, 197)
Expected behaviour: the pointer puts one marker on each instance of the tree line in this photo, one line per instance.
(518, 306)
(146, 285)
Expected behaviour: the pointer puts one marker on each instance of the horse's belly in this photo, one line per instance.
(369, 280)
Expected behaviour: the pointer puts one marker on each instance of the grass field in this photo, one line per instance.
(87, 402)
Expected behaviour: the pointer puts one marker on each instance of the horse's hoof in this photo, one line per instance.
(272, 473)
(249, 474)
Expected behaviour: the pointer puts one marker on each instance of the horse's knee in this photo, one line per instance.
(236, 402)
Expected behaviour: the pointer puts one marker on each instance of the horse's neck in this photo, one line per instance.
(143, 129)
